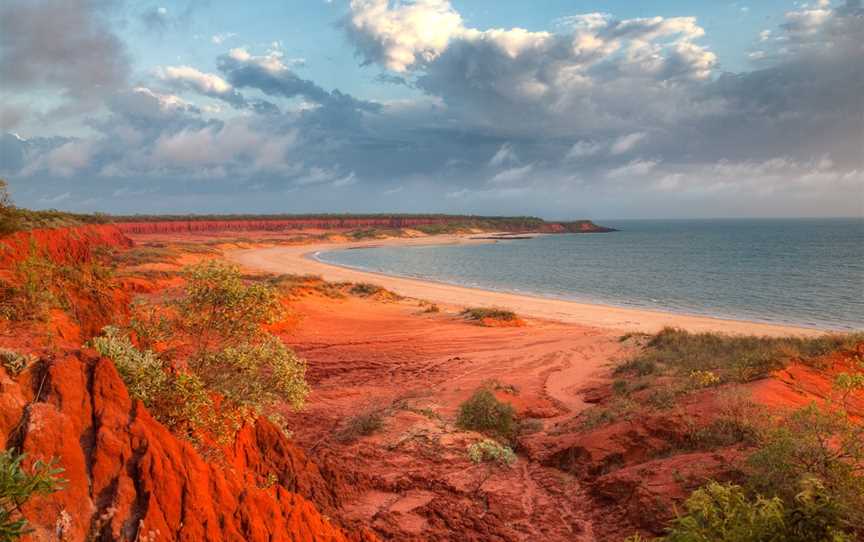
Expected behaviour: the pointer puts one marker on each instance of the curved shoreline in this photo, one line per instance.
(300, 260)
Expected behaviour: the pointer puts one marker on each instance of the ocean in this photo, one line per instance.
(805, 272)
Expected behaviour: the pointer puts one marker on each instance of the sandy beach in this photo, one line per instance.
(299, 260)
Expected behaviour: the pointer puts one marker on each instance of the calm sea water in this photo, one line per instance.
(804, 272)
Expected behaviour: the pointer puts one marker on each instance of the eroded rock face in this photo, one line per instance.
(129, 477)
(62, 245)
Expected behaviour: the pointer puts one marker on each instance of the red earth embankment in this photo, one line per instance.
(63, 245)
(129, 478)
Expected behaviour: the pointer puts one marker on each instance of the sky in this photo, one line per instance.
(560, 109)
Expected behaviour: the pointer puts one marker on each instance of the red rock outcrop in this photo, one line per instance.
(129, 478)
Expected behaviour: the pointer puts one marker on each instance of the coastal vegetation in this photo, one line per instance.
(491, 316)
(484, 413)
(799, 474)
(728, 358)
(18, 485)
(224, 368)
(491, 451)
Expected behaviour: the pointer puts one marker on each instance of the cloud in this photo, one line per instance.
(591, 116)
(512, 175)
(219, 39)
(504, 155)
(401, 35)
(269, 74)
(208, 84)
(65, 45)
(626, 143)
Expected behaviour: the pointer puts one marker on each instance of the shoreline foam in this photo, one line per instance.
(301, 260)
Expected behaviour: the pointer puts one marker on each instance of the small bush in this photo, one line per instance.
(637, 366)
(813, 444)
(847, 384)
(725, 513)
(18, 485)
(663, 398)
(363, 424)
(220, 308)
(722, 432)
(490, 451)
(704, 379)
(429, 307)
(253, 376)
(479, 314)
(15, 363)
(484, 413)
(179, 401)
(621, 408)
(365, 289)
(144, 372)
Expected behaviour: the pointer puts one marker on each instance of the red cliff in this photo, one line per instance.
(129, 478)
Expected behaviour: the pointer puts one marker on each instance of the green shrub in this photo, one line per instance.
(219, 308)
(18, 485)
(144, 373)
(480, 313)
(365, 289)
(9, 220)
(722, 432)
(178, 400)
(637, 366)
(252, 377)
(725, 513)
(848, 384)
(363, 424)
(15, 363)
(620, 408)
(490, 451)
(236, 370)
(484, 413)
(813, 444)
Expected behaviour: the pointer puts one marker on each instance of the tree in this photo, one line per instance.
(8, 214)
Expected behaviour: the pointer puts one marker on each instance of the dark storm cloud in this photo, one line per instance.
(61, 44)
(272, 77)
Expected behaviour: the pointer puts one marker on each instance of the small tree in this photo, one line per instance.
(221, 309)
(8, 216)
(813, 446)
(17, 485)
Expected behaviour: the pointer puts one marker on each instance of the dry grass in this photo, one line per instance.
(732, 358)
(482, 313)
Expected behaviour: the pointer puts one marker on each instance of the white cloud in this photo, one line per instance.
(405, 33)
(206, 83)
(512, 175)
(636, 168)
(219, 39)
(626, 143)
(504, 155)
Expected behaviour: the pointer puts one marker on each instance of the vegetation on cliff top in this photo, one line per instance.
(224, 368)
(801, 474)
